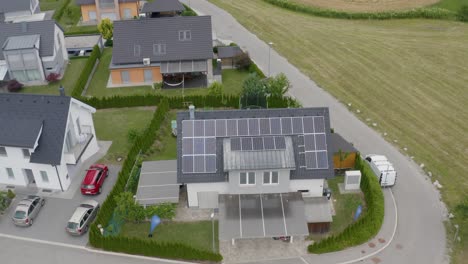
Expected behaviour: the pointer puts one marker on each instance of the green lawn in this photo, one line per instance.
(71, 76)
(453, 5)
(196, 234)
(114, 124)
(165, 145)
(408, 76)
(50, 4)
(232, 81)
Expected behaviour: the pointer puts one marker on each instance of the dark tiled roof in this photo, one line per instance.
(52, 110)
(228, 52)
(162, 6)
(147, 32)
(14, 5)
(339, 143)
(44, 28)
(92, 2)
(20, 132)
(298, 173)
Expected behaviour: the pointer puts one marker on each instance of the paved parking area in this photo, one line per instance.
(50, 223)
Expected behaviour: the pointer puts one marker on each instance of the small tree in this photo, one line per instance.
(278, 86)
(216, 88)
(242, 61)
(106, 28)
(128, 208)
(14, 86)
(253, 86)
(463, 13)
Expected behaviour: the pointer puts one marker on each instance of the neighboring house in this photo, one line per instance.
(228, 56)
(32, 50)
(162, 8)
(43, 138)
(12, 10)
(178, 50)
(95, 10)
(255, 165)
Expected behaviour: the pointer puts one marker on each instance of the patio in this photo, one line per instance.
(188, 80)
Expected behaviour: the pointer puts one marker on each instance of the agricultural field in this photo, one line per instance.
(367, 5)
(409, 76)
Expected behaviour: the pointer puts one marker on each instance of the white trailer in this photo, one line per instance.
(383, 169)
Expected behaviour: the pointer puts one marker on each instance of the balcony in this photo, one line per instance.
(74, 154)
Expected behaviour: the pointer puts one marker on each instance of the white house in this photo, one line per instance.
(20, 10)
(257, 166)
(30, 51)
(42, 137)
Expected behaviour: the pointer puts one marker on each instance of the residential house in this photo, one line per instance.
(178, 51)
(162, 8)
(43, 138)
(229, 56)
(257, 166)
(13, 10)
(95, 10)
(32, 50)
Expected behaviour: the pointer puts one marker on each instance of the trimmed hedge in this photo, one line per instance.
(86, 72)
(79, 31)
(188, 11)
(429, 13)
(253, 68)
(59, 12)
(368, 224)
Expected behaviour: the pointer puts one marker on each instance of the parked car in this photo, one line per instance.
(383, 169)
(94, 179)
(27, 210)
(82, 218)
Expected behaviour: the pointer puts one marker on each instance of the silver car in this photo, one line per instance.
(27, 210)
(82, 218)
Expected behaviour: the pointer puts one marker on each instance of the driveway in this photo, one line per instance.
(420, 234)
(53, 217)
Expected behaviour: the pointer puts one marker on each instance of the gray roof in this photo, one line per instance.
(92, 2)
(162, 6)
(299, 172)
(22, 42)
(144, 33)
(20, 132)
(44, 28)
(258, 159)
(339, 143)
(14, 5)
(228, 52)
(51, 110)
(158, 183)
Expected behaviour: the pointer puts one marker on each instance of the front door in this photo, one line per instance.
(29, 176)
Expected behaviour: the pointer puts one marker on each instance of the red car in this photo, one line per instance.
(94, 179)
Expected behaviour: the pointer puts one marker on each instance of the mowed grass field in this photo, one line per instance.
(367, 5)
(408, 76)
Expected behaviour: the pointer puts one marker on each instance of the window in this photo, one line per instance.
(44, 176)
(10, 173)
(14, 61)
(185, 35)
(159, 49)
(33, 75)
(127, 13)
(136, 50)
(3, 151)
(270, 177)
(19, 75)
(148, 75)
(92, 15)
(247, 178)
(125, 75)
(26, 153)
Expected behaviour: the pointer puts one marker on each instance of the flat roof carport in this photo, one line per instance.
(158, 183)
(261, 215)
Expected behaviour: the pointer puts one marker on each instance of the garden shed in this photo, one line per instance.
(344, 153)
(228, 56)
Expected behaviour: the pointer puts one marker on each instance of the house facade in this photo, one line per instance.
(96, 10)
(178, 50)
(32, 50)
(42, 138)
(17, 9)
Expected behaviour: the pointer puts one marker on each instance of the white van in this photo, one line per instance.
(383, 169)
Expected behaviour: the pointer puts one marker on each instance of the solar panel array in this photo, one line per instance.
(199, 139)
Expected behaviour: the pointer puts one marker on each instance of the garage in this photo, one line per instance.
(158, 183)
(261, 216)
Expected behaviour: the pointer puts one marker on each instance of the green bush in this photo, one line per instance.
(463, 13)
(10, 194)
(430, 13)
(253, 68)
(61, 10)
(86, 73)
(216, 89)
(188, 11)
(163, 210)
(368, 225)
(109, 43)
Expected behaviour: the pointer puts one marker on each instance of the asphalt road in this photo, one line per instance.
(420, 236)
(51, 221)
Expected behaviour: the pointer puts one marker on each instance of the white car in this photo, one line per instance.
(82, 218)
(383, 169)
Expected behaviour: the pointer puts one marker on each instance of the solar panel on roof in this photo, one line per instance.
(231, 127)
(311, 160)
(199, 164)
(309, 142)
(257, 143)
(198, 146)
(269, 143)
(242, 127)
(319, 124)
(322, 160)
(254, 129)
(308, 124)
(210, 128)
(210, 163)
(246, 143)
(210, 145)
(280, 143)
(265, 126)
(187, 164)
(286, 125)
(320, 143)
(235, 144)
(275, 125)
(221, 128)
(187, 146)
(199, 128)
(297, 125)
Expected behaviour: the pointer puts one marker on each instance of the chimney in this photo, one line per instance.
(192, 112)
(61, 90)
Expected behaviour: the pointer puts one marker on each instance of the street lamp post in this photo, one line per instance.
(456, 232)
(269, 56)
(212, 231)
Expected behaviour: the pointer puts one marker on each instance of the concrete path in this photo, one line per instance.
(420, 235)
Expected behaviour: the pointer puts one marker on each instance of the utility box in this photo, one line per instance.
(352, 180)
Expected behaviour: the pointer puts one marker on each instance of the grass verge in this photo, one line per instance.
(165, 145)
